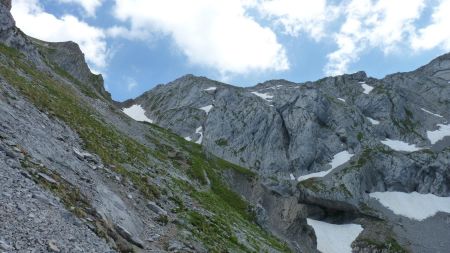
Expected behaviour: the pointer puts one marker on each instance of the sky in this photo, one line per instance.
(137, 44)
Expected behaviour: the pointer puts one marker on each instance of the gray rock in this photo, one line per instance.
(47, 178)
(52, 247)
(155, 208)
(129, 237)
(5, 246)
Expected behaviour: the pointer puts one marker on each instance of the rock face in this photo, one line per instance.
(6, 3)
(392, 128)
(68, 57)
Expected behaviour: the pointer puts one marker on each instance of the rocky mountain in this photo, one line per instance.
(343, 164)
(335, 145)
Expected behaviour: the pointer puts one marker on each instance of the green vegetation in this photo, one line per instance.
(312, 184)
(360, 136)
(230, 212)
(222, 142)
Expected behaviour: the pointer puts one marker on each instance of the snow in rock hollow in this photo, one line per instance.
(434, 114)
(210, 89)
(343, 100)
(206, 108)
(137, 113)
(199, 131)
(332, 238)
(338, 159)
(292, 176)
(439, 134)
(188, 138)
(264, 96)
(413, 205)
(400, 145)
(367, 88)
(373, 121)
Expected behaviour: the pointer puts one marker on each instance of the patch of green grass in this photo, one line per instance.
(312, 184)
(141, 182)
(59, 100)
(222, 142)
(360, 136)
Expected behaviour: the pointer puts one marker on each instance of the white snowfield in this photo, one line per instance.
(188, 138)
(332, 238)
(413, 205)
(206, 108)
(373, 121)
(434, 114)
(400, 145)
(264, 96)
(137, 113)
(210, 88)
(338, 159)
(439, 134)
(199, 131)
(367, 88)
(343, 100)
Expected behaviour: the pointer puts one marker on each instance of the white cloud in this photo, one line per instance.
(297, 16)
(89, 6)
(436, 34)
(382, 24)
(131, 84)
(34, 21)
(217, 34)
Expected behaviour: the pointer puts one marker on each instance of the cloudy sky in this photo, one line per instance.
(137, 44)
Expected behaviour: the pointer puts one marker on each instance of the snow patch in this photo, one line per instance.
(338, 159)
(188, 138)
(439, 134)
(199, 131)
(367, 88)
(373, 121)
(210, 88)
(292, 176)
(264, 96)
(137, 113)
(206, 108)
(413, 205)
(332, 238)
(400, 145)
(343, 100)
(434, 114)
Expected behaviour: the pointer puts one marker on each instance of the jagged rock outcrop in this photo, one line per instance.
(69, 57)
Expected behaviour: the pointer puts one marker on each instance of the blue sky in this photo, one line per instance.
(137, 44)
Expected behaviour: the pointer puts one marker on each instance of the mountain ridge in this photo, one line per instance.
(324, 159)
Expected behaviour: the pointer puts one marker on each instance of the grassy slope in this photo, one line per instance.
(229, 212)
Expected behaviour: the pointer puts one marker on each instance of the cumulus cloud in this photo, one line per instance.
(382, 24)
(436, 34)
(297, 16)
(89, 6)
(218, 34)
(34, 21)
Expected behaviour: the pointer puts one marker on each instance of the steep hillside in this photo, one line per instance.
(78, 175)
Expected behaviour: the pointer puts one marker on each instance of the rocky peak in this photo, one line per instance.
(69, 57)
